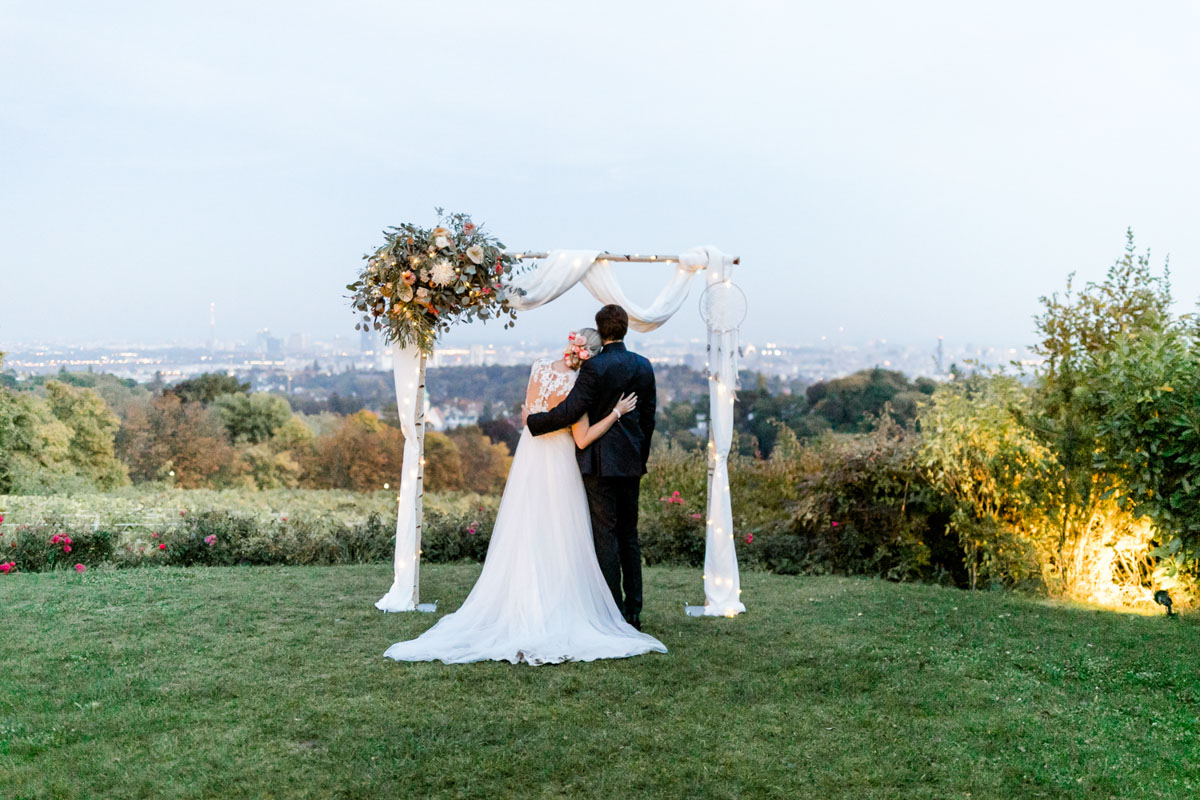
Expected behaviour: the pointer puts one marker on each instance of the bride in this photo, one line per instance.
(541, 598)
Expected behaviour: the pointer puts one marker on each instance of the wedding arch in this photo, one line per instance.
(399, 292)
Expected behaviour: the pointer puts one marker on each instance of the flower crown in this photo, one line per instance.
(577, 347)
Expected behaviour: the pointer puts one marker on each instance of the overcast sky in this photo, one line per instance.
(899, 170)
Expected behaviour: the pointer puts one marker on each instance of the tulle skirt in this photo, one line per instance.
(541, 598)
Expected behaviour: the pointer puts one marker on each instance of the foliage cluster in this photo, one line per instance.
(1081, 478)
(59, 436)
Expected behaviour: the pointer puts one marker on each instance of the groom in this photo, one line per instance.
(613, 465)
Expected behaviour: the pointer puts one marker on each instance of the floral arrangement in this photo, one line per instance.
(577, 346)
(421, 281)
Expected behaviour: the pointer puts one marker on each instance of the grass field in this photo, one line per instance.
(269, 683)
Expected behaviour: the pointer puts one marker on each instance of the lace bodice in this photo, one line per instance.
(550, 386)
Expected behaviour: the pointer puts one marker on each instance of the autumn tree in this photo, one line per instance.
(361, 453)
(484, 464)
(166, 435)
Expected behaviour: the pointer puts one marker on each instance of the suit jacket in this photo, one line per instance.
(625, 448)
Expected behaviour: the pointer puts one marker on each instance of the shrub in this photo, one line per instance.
(37, 548)
(453, 537)
(671, 533)
(865, 507)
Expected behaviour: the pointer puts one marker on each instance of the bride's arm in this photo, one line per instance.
(584, 433)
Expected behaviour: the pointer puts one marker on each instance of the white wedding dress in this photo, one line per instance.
(541, 598)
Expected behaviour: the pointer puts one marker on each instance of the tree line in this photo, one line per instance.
(86, 432)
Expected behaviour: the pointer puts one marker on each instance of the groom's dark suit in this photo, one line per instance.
(614, 464)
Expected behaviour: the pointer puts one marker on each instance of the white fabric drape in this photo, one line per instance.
(403, 596)
(556, 273)
(722, 585)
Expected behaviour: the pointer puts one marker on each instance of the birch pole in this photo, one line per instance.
(419, 416)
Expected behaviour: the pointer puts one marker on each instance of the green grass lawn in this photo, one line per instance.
(270, 682)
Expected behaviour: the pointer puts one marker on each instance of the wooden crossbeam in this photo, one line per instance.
(607, 256)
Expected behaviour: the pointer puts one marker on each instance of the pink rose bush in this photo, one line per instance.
(674, 499)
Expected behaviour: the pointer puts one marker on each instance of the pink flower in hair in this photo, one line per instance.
(584, 354)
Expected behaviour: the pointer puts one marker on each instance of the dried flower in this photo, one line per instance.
(475, 253)
(442, 273)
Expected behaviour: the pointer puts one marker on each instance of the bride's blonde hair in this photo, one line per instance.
(584, 340)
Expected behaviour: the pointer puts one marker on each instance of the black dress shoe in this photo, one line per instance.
(636, 622)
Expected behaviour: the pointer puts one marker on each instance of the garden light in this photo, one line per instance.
(1163, 598)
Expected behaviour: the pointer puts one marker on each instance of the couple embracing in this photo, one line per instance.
(563, 576)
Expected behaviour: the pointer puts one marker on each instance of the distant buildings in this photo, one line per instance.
(266, 360)
(452, 415)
